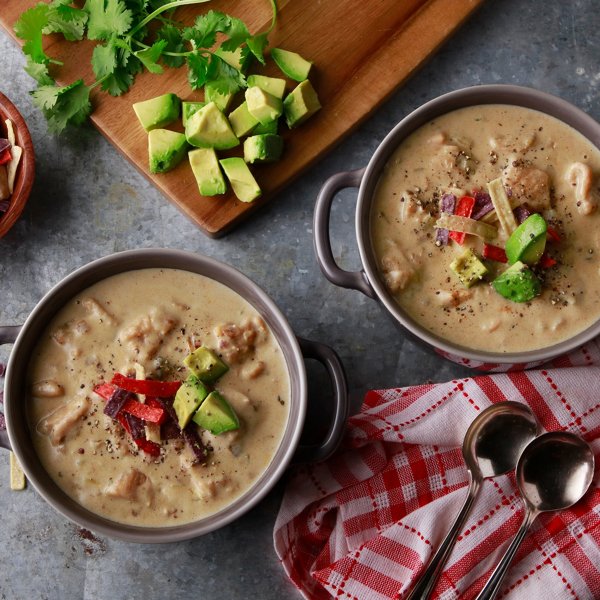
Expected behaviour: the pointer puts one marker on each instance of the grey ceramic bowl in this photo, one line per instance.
(368, 281)
(295, 350)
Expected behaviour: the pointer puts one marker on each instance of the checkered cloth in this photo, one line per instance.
(362, 525)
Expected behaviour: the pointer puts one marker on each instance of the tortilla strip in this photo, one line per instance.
(502, 205)
(466, 225)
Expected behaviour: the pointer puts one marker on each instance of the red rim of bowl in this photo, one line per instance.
(26, 168)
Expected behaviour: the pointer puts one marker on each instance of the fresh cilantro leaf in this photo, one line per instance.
(128, 66)
(172, 36)
(67, 105)
(223, 77)
(237, 32)
(107, 18)
(118, 82)
(149, 56)
(29, 27)
(65, 19)
(203, 33)
(257, 45)
(197, 69)
(39, 71)
(104, 60)
(137, 7)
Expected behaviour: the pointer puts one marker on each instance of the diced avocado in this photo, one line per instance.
(468, 268)
(518, 283)
(207, 171)
(188, 398)
(291, 64)
(528, 241)
(242, 181)
(300, 104)
(216, 415)
(263, 148)
(165, 149)
(157, 112)
(209, 128)
(270, 127)
(221, 100)
(263, 106)
(188, 109)
(240, 58)
(242, 122)
(271, 85)
(205, 364)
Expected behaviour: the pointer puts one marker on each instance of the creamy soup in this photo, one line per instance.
(143, 324)
(545, 167)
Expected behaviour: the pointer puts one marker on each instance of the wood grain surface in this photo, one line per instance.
(362, 50)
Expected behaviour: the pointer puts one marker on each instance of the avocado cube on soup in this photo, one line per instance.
(205, 364)
(188, 398)
(216, 415)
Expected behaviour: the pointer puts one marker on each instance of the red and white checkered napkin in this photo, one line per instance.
(362, 525)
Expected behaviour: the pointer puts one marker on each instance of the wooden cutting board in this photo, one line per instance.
(362, 50)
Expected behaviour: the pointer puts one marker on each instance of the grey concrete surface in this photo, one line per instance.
(88, 202)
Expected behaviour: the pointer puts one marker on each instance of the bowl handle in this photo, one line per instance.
(356, 280)
(331, 361)
(8, 335)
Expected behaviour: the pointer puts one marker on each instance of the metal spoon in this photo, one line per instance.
(492, 446)
(553, 473)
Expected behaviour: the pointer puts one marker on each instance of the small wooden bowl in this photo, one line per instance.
(26, 169)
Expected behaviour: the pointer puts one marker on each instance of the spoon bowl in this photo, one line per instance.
(572, 468)
(496, 438)
(553, 473)
(491, 447)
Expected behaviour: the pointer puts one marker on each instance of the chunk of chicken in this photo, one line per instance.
(133, 485)
(58, 424)
(47, 388)
(253, 370)
(95, 309)
(451, 156)
(208, 485)
(397, 271)
(69, 336)
(452, 299)
(411, 206)
(580, 176)
(528, 185)
(238, 342)
(509, 144)
(146, 335)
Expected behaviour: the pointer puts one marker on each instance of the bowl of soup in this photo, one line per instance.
(156, 395)
(477, 225)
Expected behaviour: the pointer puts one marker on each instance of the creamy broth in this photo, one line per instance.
(545, 166)
(150, 319)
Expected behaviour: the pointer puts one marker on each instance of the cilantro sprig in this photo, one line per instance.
(126, 45)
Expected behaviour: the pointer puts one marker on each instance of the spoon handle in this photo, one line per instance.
(492, 587)
(428, 579)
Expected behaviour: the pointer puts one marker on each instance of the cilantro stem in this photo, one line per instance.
(162, 9)
(274, 17)
(165, 53)
(98, 81)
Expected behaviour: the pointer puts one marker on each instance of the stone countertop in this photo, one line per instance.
(88, 202)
